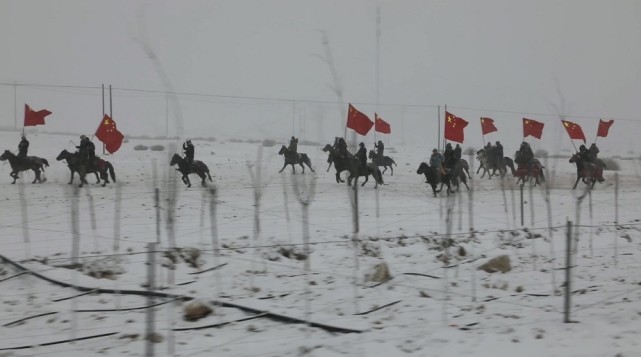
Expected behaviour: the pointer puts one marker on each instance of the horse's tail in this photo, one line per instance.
(208, 175)
(112, 173)
(393, 162)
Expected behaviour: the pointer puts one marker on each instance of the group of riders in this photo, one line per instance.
(86, 150)
(447, 161)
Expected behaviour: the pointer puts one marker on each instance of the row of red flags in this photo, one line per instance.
(362, 124)
(454, 128)
(106, 132)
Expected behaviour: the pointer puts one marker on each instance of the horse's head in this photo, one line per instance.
(63, 155)
(6, 155)
(574, 158)
(422, 168)
(283, 150)
(175, 160)
(327, 148)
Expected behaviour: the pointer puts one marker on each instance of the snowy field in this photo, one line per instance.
(436, 303)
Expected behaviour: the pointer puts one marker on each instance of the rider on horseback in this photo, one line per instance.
(591, 156)
(498, 154)
(379, 150)
(457, 153)
(23, 147)
(341, 147)
(188, 149)
(361, 155)
(293, 145)
(449, 157)
(436, 161)
(87, 151)
(524, 156)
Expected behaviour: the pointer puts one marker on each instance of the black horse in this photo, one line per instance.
(386, 162)
(458, 174)
(293, 158)
(588, 172)
(34, 163)
(432, 177)
(348, 163)
(197, 167)
(76, 164)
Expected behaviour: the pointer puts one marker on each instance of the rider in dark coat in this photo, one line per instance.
(457, 152)
(593, 152)
(341, 147)
(188, 148)
(436, 161)
(584, 154)
(87, 150)
(361, 155)
(23, 148)
(380, 148)
(448, 155)
(293, 144)
(498, 153)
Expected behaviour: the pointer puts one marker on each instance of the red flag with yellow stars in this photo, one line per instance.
(109, 134)
(358, 121)
(381, 125)
(454, 127)
(487, 126)
(532, 127)
(574, 130)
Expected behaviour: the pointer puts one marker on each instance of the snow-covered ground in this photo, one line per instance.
(440, 304)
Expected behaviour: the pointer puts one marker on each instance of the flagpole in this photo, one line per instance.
(596, 136)
(482, 135)
(444, 139)
(378, 62)
(438, 133)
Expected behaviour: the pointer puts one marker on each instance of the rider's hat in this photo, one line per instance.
(361, 144)
(434, 150)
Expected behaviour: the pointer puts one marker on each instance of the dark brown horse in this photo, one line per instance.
(434, 179)
(34, 163)
(76, 164)
(588, 172)
(197, 167)
(458, 174)
(293, 158)
(492, 164)
(386, 162)
(348, 163)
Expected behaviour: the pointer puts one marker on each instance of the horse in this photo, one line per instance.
(432, 177)
(293, 158)
(488, 164)
(385, 162)
(350, 164)
(458, 174)
(535, 171)
(370, 169)
(588, 172)
(34, 163)
(197, 167)
(100, 167)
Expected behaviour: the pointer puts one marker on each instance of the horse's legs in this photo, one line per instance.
(37, 176)
(97, 177)
(14, 175)
(366, 179)
(391, 169)
(301, 165)
(281, 170)
(576, 182)
(71, 181)
(294, 169)
(479, 169)
(203, 178)
(384, 169)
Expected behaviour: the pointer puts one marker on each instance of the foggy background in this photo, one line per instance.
(259, 69)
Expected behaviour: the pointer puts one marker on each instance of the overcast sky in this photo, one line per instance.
(501, 56)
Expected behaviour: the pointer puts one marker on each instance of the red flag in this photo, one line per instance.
(109, 134)
(454, 127)
(358, 121)
(32, 118)
(487, 125)
(574, 130)
(604, 127)
(381, 125)
(532, 127)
